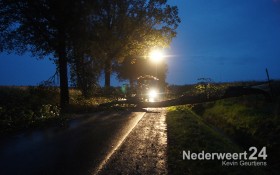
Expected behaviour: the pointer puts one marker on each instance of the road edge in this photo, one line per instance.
(118, 145)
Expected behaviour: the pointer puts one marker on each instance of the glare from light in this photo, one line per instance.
(152, 95)
(156, 55)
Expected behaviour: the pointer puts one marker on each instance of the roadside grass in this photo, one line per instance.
(187, 131)
(22, 107)
(26, 107)
(80, 104)
(248, 121)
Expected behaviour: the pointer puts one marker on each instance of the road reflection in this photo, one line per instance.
(76, 148)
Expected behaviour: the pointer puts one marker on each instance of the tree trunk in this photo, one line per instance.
(80, 73)
(108, 71)
(131, 83)
(62, 61)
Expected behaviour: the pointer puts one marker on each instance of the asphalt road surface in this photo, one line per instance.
(103, 143)
(144, 151)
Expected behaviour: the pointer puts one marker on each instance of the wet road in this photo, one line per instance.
(144, 151)
(81, 147)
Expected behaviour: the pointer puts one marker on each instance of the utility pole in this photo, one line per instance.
(266, 70)
(268, 80)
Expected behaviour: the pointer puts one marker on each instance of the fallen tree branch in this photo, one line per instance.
(196, 98)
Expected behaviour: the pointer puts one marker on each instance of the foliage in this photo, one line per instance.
(43, 27)
(247, 113)
(80, 104)
(248, 121)
(206, 86)
(187, 131)
(23, 107)
(85, 75)
(88, 35)
(175, 91)
(132, 68)
(49, 111)
(128, 28)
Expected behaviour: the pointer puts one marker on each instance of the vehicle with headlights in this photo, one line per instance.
(148, 88)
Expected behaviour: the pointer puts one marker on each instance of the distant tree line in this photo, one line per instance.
(89, 36)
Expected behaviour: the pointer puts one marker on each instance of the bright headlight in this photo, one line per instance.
(152, 95)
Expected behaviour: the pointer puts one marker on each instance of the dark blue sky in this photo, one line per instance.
(226, 40)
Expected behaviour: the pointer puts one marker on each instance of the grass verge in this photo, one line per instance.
(30, 107)
(187, 131)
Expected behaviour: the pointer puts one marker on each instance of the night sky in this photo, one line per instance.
(226, 40)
